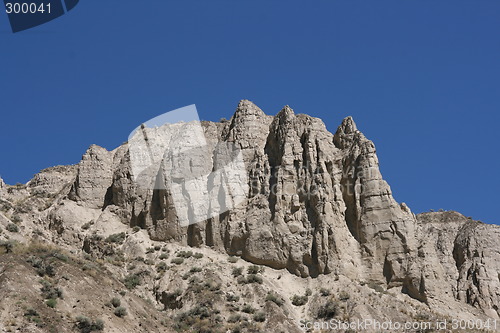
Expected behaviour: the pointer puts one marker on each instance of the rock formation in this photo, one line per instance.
(317, 205)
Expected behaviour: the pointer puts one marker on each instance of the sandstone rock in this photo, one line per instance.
(2, 187)
(316, 205)
(94, 177)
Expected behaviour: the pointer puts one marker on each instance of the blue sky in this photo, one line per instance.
(420, 78)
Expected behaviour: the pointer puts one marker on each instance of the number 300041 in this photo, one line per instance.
(27, 8)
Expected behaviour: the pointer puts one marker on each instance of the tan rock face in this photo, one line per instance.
(2, 187)
(317, 204)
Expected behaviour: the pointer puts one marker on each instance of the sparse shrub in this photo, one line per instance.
(61, 256)
(234, 318)
(324, 292)
(232, 260)
(50, 291)
(6, 206)
(195, 270)
(30, 312)
(212, 285)
(136, 229)
(12, 227)
(248, 309)
(198, 255)
(328, 310)
(259, 317)
(115, 301)
(237, 271)
(116, 238)
(309, 292)
(344, 295)
(86, 325)
(272, 297)
(132, 280)
(241, 279)
(299, 300)
(87, 225)
(16, 219)
(161, 267)
(185, 254)
(253, 269)
(232, 298)
(51, 302)
(8, 245)
(177, 261)
(253, 278)
(120, 312)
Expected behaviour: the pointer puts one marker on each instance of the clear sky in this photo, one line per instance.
(420, 78)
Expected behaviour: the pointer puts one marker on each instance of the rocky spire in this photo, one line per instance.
(345, 133)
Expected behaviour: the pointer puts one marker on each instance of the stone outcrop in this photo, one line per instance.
(2, 186)
(316, 204)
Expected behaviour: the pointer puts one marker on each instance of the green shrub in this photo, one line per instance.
(115, 301)
(120, 312)
(324, 292)
(252, 278)
(161, 267)
(163, 256)
(87, 225)
(272, 297)
(86, 325)
(344, 295)
(51, 302)
(61, 256)
(328, 310)
(185, 254)
(248, 309)
(116, 238)
(16, 219)
(157, 247)
(30, 312)
(8, 245)
(232, 298)
(195, 270)
(50, 291)
(299, 300)
(198, 255)
(259, 317)
(177, 261)
(234, 318)
(12, 227)
(132, 280)
(237, 271)
(136, 229)
(253, 269)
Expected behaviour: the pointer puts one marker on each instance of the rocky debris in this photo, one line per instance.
(317, 205)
